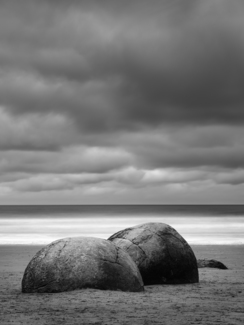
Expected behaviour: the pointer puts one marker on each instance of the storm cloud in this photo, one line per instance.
(130, 98)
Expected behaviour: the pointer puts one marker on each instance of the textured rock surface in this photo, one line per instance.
(211, 263)
(161, 254)
(75, 263)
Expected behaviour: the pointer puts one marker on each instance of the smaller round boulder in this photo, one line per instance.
(211, 263)
(160, 252)
(76, 263)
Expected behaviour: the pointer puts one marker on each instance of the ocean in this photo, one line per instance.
(42, 224)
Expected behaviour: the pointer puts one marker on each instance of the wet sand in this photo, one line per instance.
(217, 299)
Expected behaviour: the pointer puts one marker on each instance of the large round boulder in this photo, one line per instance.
(76, 263)
(160, 252)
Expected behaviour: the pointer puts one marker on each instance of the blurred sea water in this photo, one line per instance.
(198, 224)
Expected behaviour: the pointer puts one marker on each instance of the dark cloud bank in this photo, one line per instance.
(113, 101)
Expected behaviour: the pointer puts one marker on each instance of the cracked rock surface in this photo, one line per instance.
(160, 252)
(81, 262)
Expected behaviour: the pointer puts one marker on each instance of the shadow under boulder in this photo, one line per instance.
(160, 252)
(76, 263)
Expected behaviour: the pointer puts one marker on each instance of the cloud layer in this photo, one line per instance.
(118, 101)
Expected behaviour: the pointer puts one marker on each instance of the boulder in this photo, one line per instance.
(160, 252)
(76, 263)
(211, 263)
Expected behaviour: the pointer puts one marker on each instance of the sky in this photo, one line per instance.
(121, 102)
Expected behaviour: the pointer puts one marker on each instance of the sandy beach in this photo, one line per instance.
(217, 299)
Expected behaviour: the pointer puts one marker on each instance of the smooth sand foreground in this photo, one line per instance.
(217, 299)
